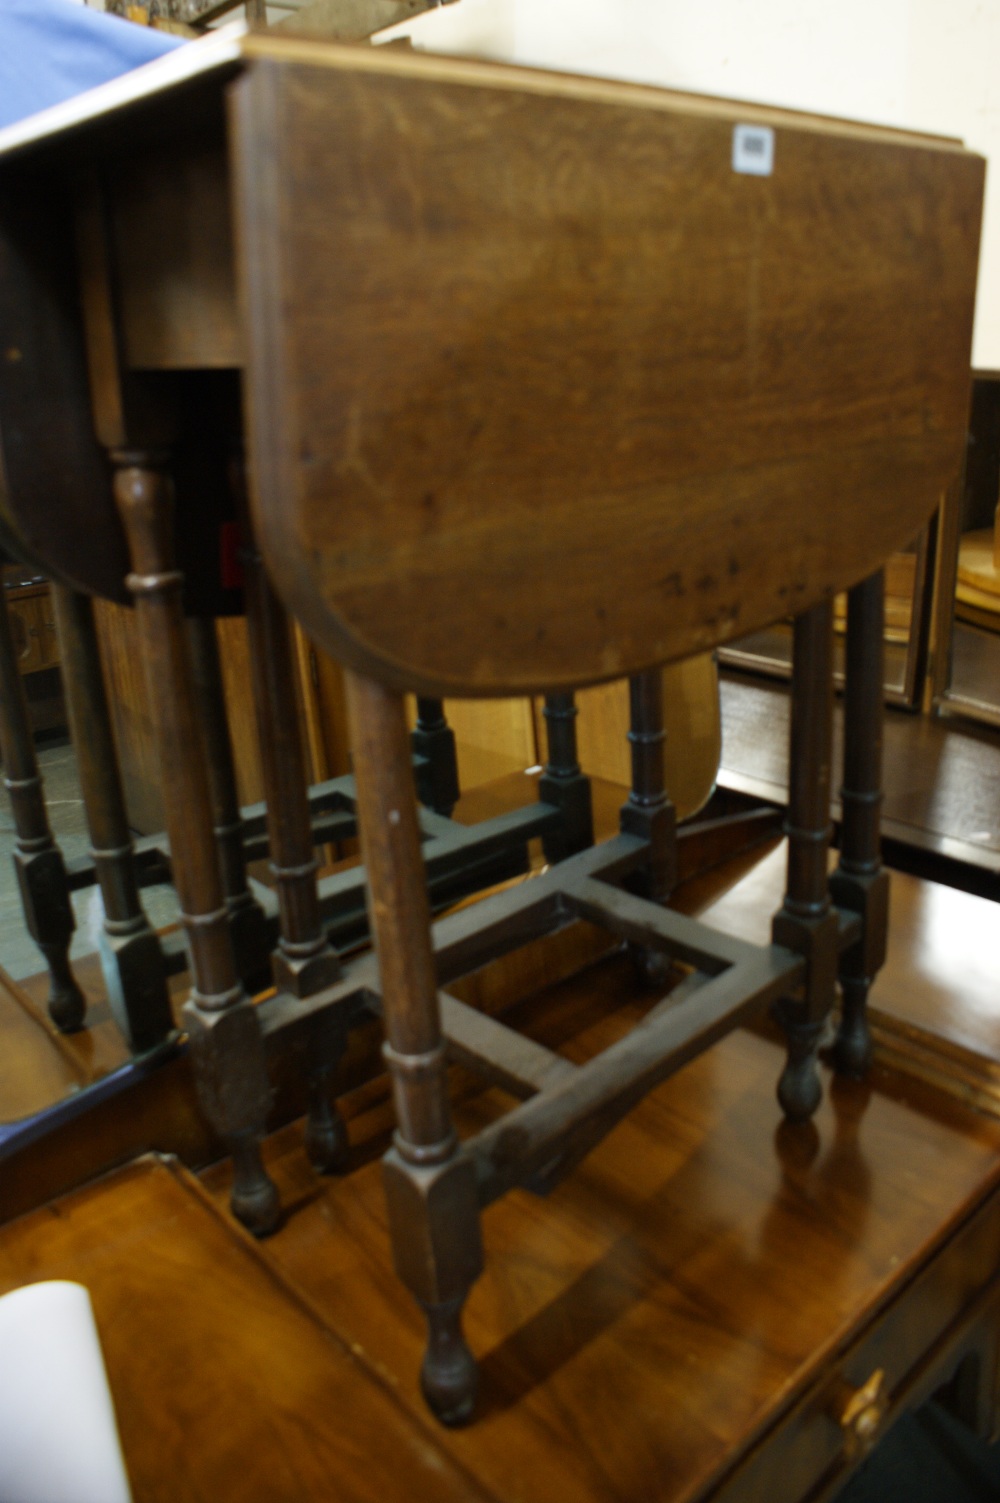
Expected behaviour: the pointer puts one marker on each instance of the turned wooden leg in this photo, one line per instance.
(431, 1190)
(649, 812)
(41, 872)
(433, 740)
(247, 923)
(305, 960)
(562, 784)
(859, 884)
(134, 968)
(806, 921)
(222, 1023)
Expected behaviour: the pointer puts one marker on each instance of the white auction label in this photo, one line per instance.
(753, 149)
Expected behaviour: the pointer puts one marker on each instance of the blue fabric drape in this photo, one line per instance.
(53, 49)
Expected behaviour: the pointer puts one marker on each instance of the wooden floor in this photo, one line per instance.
(638, 1331)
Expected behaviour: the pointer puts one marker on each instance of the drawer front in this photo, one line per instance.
(950, 1309)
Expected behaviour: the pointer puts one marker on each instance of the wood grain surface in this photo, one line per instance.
(642, 1326)
(225, 1384)
(543, 392)
(934, 1006)
(656, 1318)
(38, 1065)
(676, 1321)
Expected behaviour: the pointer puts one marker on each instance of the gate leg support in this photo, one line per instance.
(562, 784)
(38, 862)
(806, 923)
(227, 1047)
(305, 961)
(133, 962)
(247, 923)
(649, 812)
(859, 883)
(433, 739)
(433, 1206)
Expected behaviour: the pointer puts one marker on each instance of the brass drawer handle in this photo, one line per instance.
(860, 1413)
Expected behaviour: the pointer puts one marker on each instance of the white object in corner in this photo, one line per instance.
(58, 1437)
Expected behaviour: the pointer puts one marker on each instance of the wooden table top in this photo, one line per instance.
(638, 1330)
(934, 1006)
(643, 1329)
(36, 1068)
(799, 330)
(225, 1385)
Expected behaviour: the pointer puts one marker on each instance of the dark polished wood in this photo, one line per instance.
(158, 1108)
(38, 862)
(687, 1316)
(807, 922)
(433, 1207)
(33, 629)
(933, 1010)
(55, 502)
(436, 1187)
(247, 923)
(221, 1022)
(859, 883)
(696, 440)
(365, 521)
(941, 779)
(121, 656)
(433, 741)
(649, 812)
(417, 465)
(204, 1340)
(35, 1067)
(135, 958)
(563, 784)
(305, 960)
(934, 1014)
